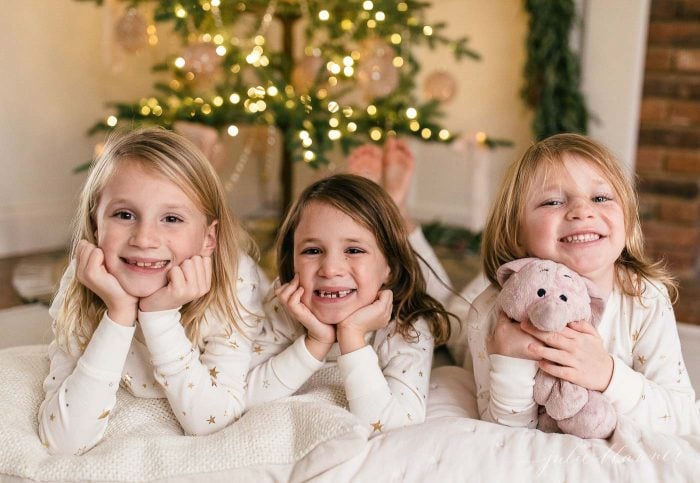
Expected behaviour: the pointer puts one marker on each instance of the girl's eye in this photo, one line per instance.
(172, 219)
(354, 251)
(552, 203)
(123, 215)
(310, 251)
(601, 199)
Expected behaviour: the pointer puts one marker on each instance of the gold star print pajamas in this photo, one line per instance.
(203, 382)
(386, 382)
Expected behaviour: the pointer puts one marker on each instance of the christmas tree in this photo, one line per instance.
(347, 77)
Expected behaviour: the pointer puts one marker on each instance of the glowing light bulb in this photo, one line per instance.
(232, 130)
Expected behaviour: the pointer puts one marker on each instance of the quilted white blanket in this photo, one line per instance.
(312, 437)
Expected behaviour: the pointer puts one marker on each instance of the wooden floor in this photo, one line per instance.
(8, 295)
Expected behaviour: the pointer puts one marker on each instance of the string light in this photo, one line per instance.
(112, 121)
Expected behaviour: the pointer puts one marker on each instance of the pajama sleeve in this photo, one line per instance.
(656, 391)
(280, 361)
(205, 382)
(387, 384)
(80, 389)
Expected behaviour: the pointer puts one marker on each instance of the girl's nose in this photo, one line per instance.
(145, 235)
(333, 265)
(580, 209)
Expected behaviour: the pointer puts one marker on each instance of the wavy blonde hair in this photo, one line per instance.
(370, 206)
(170, 155)
(501, 237)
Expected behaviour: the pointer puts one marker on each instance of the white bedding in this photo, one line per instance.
(311, 437)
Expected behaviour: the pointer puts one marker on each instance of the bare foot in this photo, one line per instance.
(399, 167)
(366, 161)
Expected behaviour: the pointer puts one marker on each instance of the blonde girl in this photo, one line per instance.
(567, 199)
(352, 295)
(160, 297)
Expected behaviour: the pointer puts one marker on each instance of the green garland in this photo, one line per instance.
(552, 70)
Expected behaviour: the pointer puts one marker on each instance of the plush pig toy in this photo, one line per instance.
(550, 296)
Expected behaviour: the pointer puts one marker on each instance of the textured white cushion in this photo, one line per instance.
(145, 442)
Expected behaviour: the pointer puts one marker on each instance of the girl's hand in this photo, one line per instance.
(187, 282)
(319, 336)
(352, 330)
(508, 339)
(91, 271)
(575, 354)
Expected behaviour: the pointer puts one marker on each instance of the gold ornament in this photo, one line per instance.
(440, 86)
(305, 72)
(130, 31)
(376, 74)
(202, 60)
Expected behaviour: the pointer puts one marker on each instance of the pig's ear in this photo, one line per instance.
(507, 269)
(597, 302)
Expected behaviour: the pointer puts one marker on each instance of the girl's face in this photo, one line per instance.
(572, 216)
(145, 226)
(339, 263)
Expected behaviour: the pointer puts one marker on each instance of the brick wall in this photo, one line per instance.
(668, 160)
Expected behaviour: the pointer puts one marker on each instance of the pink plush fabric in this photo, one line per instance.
(551, 295)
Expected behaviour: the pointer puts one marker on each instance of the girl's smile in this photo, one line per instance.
(339, 263)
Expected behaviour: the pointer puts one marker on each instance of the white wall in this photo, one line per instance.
(614, 47)
(54, 86)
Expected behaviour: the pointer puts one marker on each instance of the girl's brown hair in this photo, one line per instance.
(369, 205)
(501, 237)
(170, 155)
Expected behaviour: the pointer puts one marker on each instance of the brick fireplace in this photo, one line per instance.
(668, 159)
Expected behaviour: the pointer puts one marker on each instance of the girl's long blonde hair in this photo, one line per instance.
(369, 205)
(501, 237)
(174, 157)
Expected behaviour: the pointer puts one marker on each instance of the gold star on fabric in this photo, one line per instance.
(642, 360)
(211, 420)
(635, 336)
(233, 344)
(190, 385)
(127, 379)
(104, 414)
(257, 349)
(52, 417)
(213, 372)
(377, 426)
(266, 383)
(144, 385)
